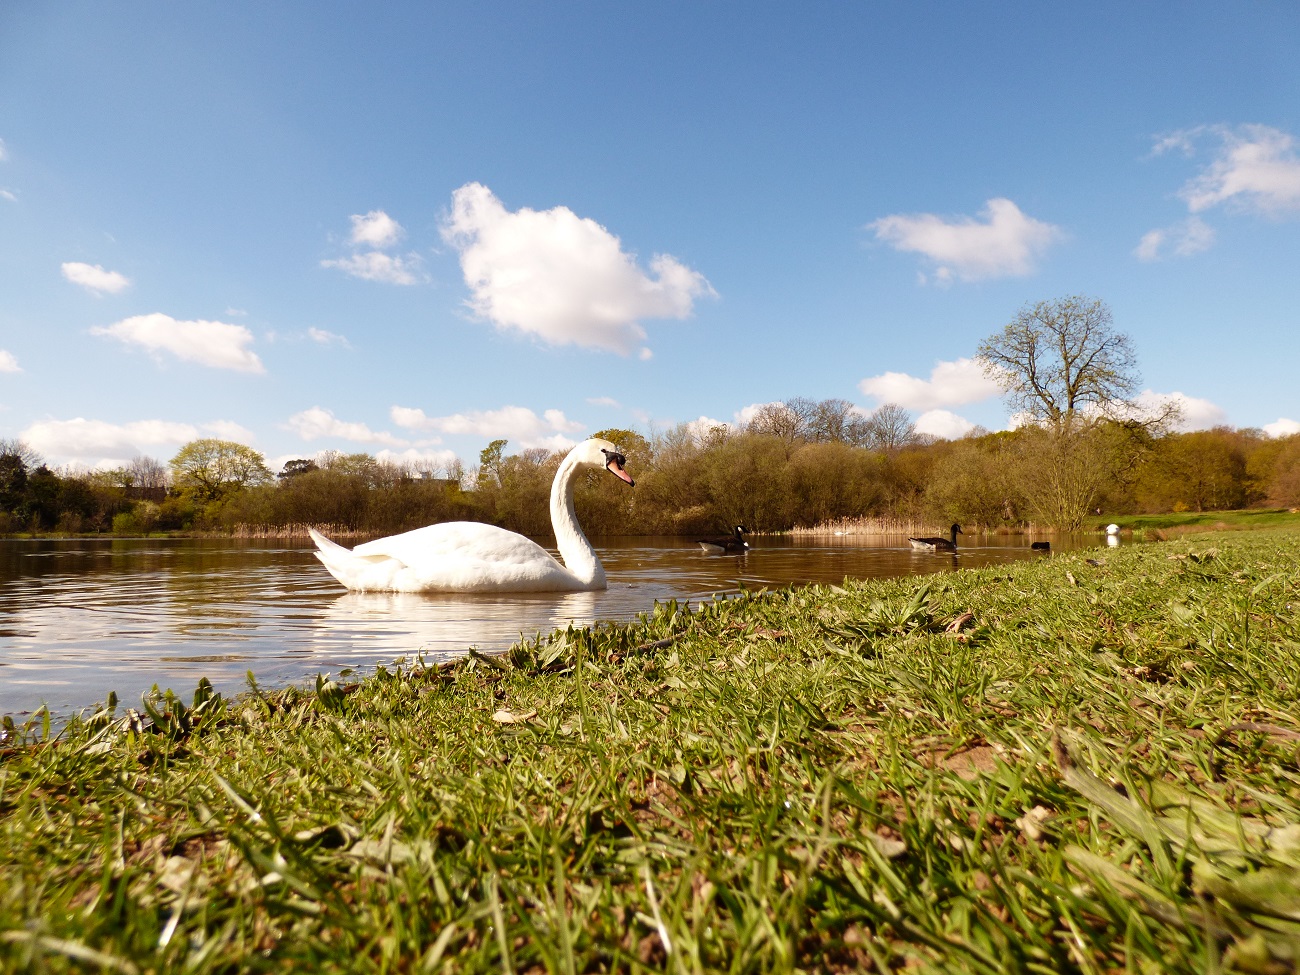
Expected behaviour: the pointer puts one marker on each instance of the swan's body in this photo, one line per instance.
(932, 544)
(727, 544)
(466, 556)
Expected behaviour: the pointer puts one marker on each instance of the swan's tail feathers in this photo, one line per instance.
(357, 572)
(323, 543)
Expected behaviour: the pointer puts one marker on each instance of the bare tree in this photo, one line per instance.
(890, 427)
(833, 420)
(777, 420)
(23, 451)
(146, 473)
(1057, 357)
(1070, 376)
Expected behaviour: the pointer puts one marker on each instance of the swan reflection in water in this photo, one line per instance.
(444, 625)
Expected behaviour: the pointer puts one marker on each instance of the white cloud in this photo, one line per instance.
(1004, 243)
(560, 277)
(743, 416)
(216, 344)
(8, 195)
(943, 424)
(8, 363)
(1282, 427)
(315, 423)
(950, 384)
(1192, 236)
(237, 312)
(95, 443)
(518, 424)
(376, 266)
(1255, 167)
(702, 428)
(375, 229)
(4, 153)
(604, 401)
(1194, 413)
(94, 278)
(327, 338)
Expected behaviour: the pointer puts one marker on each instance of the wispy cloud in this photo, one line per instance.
(380, 267)
(378, 231)
(219, 345)
(518, 424)
(562, 278)
(327, 338)
(317, 423)
(1282, 427)
(1252, 169)
(375, 229)
(1003, 242)
(1192, 236)
(8, 363)
(94, 278)
(1255, 167)
(950, 384)
(8, 195)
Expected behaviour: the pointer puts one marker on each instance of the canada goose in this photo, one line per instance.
(728, 544)
(466, 556)
(937, 544)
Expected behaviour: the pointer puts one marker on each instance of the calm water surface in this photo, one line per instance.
(81, 617)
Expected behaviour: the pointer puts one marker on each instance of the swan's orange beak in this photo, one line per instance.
(615, 466)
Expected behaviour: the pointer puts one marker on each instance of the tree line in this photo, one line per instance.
(688, 481)
(1083, 446)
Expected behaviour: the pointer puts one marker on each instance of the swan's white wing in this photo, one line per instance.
(466, 556)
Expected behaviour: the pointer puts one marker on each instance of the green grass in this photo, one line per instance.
(1083, 763)
(1204, 520)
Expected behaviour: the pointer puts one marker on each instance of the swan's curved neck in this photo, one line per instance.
(579, 557)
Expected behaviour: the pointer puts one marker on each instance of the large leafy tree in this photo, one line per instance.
(212, 468)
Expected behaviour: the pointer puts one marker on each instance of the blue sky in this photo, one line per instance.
(412, 228)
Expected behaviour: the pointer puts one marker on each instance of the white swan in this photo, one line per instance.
(466, 556)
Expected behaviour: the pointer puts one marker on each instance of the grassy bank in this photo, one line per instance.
(1189, 522)
(1074, 764)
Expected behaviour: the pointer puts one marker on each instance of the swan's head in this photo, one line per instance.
(956, 530)
(601, 453)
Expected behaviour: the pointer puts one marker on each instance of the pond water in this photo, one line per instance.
(81, 617)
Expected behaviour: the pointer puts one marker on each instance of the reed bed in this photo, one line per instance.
(295, 530)
(874, 525)
(1086, 763)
